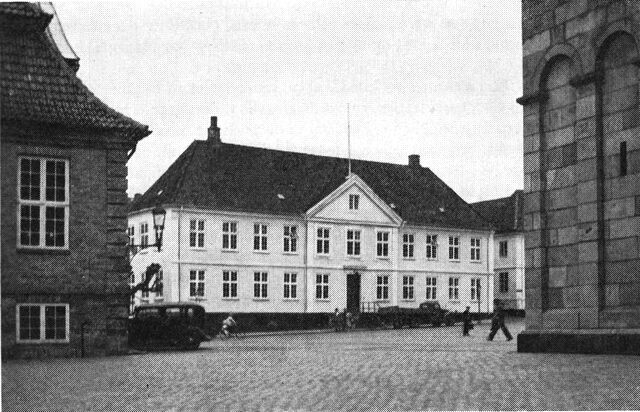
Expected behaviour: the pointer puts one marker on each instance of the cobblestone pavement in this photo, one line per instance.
(428, 368)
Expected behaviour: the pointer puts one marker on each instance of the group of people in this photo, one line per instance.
(497, 321)
(343, 320)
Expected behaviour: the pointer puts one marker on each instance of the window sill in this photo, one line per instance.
(475, 261)
(290, 253)
(432, 259)
(383, 300)
(262, 252)
(260, 299)
(327, 300)
(43, 251)
(231, 299)
(229, 250)
(290, 300)
(42, 342)
(408, 300)
(322, 256)
(454, 260)
(383, 258)
(198, 249)
(408, 258)
(354, 257)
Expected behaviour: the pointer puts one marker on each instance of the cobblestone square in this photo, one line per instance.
(408, 369)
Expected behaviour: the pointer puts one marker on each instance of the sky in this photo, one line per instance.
(438, 78)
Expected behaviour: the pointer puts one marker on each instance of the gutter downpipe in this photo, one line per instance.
(491, 242)
(179, 256)
(306, 270)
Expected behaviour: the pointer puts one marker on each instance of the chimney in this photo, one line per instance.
(414, 160)
(214, 131)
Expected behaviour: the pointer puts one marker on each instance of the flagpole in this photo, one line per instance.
(349, 139)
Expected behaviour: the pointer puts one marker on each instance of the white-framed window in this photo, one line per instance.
(454, 293)
(407, 245)
(144, 234)
(196, 283)
(260, 237)
(432, 247)
(230, 235)
(475, 289)
(504, 248)
(382, 287)
(353, 242)
(322, 241)
(131, 233)
(432, 285)
(260, 285)
(354, 202)
(407, 287)
(196, 233)
(229, 284)
(43, 203)
(475, 249)
(290, 285)
(503, 279)
(42, 322)
(290, 239)
(382, 244)
(322, 286)
(454, 248)
(159, 285)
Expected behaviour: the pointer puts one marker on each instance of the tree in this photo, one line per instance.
(144, 285)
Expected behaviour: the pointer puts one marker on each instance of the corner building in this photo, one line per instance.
(64, 179)
(260, 231)
(582, 176)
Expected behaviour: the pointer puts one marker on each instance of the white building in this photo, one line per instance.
(506, 216)
(258, 230)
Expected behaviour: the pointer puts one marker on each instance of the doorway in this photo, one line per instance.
(353, 292)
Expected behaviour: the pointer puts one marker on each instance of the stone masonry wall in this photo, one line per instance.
(582, 163)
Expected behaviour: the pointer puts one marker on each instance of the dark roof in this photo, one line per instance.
(241, 178)
(505, 213)
(38, 86)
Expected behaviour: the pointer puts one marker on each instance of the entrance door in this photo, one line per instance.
(353, 292)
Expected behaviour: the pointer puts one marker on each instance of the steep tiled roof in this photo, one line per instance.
(241, 178)
(38, 86)
(505, 213)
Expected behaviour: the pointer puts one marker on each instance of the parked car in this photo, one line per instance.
(167, 325)
(427, 313)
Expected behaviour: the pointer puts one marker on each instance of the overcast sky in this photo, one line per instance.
(438, 78)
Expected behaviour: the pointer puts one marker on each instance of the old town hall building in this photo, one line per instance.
(258, 230)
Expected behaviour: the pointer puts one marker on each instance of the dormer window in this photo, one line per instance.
(354, 201)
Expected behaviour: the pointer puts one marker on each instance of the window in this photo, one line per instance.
(382, 287)
(196, 283)
(290, 286)
(196, 233)
(453, 288)
(432, 246)
(407, 287)
(260, 285)
(159, 285)
(407, 245)
(131, 233)
(229, 284)
(230, 235)
(623, 158)
(144, 235)
(454, 248)
(354, 201)
(504, 248)
(145, 293)
(260, 237)
(475, 249)
(353, 242)
(43, 203)
(323, 241)
(290, 239)
(431, 288)
(503, 278)
(475, 289)
(322, 286)
(382, 244)
(42, 322)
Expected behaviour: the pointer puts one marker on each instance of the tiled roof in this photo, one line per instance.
(505, 213)
(38, 86)
(241, 178)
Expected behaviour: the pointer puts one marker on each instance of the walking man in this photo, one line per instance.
(467, 325)
(497, 322)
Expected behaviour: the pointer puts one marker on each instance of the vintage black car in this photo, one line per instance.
(167, 325)
(429, 312)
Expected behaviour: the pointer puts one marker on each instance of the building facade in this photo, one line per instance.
(582, 175)
(506, 216)
(266, 231)
(64, 181)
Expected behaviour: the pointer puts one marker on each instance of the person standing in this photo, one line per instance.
(467, 325)
(497, 322)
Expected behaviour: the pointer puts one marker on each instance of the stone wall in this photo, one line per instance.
(582, 163)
